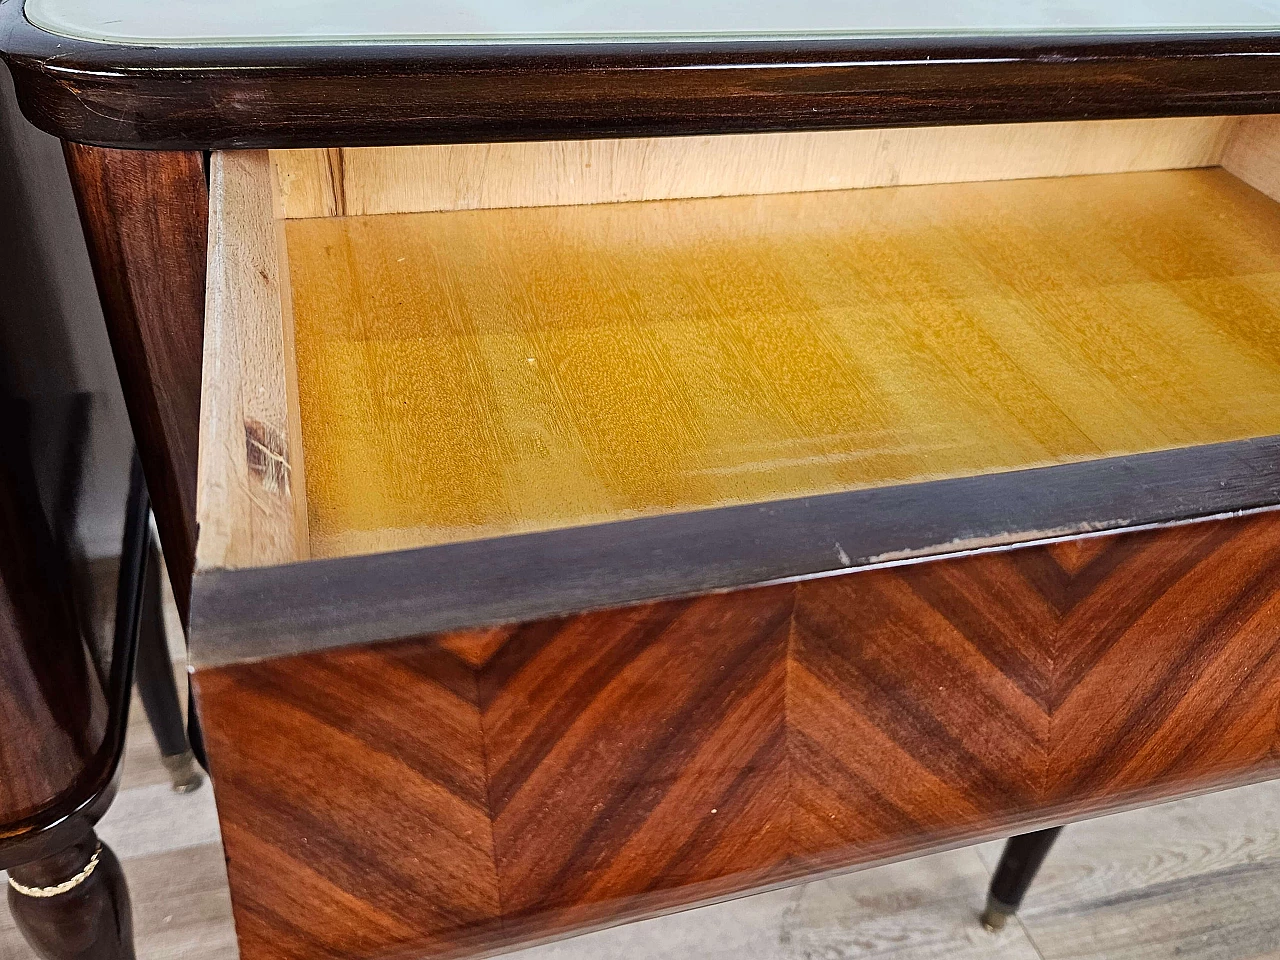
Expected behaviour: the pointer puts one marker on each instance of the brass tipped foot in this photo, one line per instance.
(183, 772)
(996, 915)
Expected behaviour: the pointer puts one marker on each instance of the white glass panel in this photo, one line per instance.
(184, 22)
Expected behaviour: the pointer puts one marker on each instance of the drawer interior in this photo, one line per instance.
(430, 345)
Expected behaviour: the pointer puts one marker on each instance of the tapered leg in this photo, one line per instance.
(74, 905)
(145, 218)
(1018, 866)
(159, 693)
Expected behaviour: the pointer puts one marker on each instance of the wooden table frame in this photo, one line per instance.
(796, 796)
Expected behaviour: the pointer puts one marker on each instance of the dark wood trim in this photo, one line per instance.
(145, 217)
(268, 612)
(394, 93)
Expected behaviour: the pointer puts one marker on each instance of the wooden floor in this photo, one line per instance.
(477, 373)
(1194, 880)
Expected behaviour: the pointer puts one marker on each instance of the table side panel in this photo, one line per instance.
(460, 792)
(145, 218)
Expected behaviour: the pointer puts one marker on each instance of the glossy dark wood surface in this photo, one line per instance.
(54, 706)
(52, 692)
(452, 794)
(292, 608)
(145, 217)
(397, 93)
(91, 921)
(63, 716)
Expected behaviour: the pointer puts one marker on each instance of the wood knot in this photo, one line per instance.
(267, 454)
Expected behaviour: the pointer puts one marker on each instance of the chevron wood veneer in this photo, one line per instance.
(452, 794)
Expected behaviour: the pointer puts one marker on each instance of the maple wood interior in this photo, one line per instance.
(419, 345)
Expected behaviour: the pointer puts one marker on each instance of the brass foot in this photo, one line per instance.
(996, 915)
(183, 772)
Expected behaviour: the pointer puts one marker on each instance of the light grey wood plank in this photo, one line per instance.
(921, 909)
(1197, 878)
(142, 766)
(1227, 915)
(924, 909)
(181, 908)
(154, 819)
(1106, 857)
(173, 632)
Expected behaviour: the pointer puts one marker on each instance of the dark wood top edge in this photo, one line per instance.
(386, 93)
(276, 611)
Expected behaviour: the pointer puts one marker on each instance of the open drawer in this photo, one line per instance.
(457, 386)
(556, 552)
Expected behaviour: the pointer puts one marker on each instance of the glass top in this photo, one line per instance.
(194, 22)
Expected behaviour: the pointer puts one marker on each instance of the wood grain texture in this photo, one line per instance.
(55, 711)
(251, 504)
(373, 180)
(313, 95)
(1220, 915)
(145, 220)
(481, 373)
(461, 792)
(1187, 879)
(309, 183)
(1252, 153)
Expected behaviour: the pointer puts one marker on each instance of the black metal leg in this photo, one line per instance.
(1018, 866)
(154, 675)
(74, 905)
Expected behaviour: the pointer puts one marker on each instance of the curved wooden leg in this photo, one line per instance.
(74, 905)
(1018, 866)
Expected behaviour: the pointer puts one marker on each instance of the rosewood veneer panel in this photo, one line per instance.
(145, 218)
(353, 785)
(453, 793)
